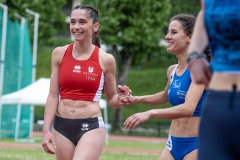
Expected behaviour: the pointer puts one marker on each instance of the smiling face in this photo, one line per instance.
(176, 38)
(82, 26)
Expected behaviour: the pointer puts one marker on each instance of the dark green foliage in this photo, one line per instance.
(133, 26)
(160, 58)
(39, 113)
(52, 18)
(44, 61)
(185, 6)
(56, 41)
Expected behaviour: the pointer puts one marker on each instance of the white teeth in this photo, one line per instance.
(169, 44)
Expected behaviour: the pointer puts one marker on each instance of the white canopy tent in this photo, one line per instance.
(36, 94)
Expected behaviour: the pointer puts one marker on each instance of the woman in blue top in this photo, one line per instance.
(184, 95)
(218, 25)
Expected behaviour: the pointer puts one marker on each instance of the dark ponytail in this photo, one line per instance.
(96, 39)
(207, 52)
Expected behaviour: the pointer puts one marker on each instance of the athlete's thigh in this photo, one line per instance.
(191, 155)
(166, 155)
(90, 145)
(65, 148)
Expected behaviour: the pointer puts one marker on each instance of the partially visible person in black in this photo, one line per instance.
(218, 25)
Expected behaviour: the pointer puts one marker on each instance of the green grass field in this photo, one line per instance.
(23, 154)
(39, 154)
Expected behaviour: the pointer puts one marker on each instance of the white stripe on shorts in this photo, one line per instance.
(101, 122)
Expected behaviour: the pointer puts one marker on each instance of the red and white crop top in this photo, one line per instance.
(81, 79)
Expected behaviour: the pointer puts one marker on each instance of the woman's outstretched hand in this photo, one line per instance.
(133, 121)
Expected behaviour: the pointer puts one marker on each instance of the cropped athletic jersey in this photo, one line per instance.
(223, 28)
(178, 89)
(81, 79)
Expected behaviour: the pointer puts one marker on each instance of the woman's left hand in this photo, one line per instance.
(133, 121)
(124, 92)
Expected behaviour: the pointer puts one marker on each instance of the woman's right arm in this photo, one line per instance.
(52, 102)
(53, 96)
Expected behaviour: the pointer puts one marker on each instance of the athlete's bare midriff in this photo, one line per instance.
(224, 81)
(185, 127)
(74, 109)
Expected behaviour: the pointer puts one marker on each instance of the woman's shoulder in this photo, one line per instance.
(170, 69)
(60, 49)
(107, 60)
(59, 52)
(106, 57)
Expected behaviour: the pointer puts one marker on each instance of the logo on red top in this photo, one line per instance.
(90, 69)
(77, 69)
(90, 75)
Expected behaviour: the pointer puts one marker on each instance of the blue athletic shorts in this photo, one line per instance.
(179, 147)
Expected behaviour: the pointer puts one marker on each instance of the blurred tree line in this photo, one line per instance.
(131, 29)
(51, 22)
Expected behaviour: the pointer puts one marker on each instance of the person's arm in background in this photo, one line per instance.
(185, 109)
(198, 65)
(153, 99)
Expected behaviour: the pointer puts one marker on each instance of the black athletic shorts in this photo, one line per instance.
(219, 137)
(73, 129)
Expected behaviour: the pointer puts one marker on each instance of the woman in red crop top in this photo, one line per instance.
(80, 70)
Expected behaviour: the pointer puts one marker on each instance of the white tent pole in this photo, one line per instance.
(106, 125)
(23, 21)
(18, 117)
(17, 121)
(3, 50)
(34, 61)
(35, 41)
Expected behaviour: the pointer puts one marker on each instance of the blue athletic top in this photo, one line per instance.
(178, 89)
(222, 21)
